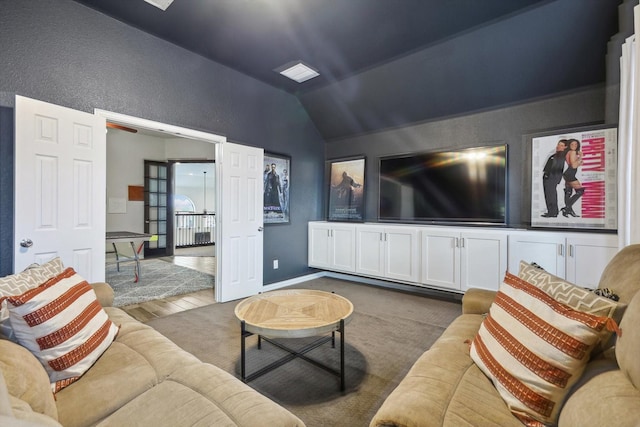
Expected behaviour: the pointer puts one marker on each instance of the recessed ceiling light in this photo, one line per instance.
(160, 4)
(299, 72)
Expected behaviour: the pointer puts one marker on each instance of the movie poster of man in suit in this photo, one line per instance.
(276, 177)
(574, 180)
(346, 190)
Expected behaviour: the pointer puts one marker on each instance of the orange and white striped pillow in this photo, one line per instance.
(534, 348)
(62, 323)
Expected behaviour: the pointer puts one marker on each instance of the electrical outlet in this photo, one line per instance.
(275, 264)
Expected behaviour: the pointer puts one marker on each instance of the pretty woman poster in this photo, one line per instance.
(574, 180)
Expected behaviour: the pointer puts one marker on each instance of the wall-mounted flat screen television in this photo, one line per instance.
(461, 186)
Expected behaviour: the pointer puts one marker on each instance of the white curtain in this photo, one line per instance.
(628, 146)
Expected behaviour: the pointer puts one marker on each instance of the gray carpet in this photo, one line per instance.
(158, 279)
(388, 332)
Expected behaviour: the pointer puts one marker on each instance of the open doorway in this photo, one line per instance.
(133, 152)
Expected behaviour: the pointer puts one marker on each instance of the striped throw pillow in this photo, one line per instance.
(62, 323)
(534, 348)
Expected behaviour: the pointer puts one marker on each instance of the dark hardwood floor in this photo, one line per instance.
(159, 308)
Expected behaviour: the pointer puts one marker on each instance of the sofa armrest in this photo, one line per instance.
(477, 301)
(104, 292)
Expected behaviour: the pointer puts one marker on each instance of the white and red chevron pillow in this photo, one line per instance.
(62, 323)
(18, 283)
(578, 298)
(534, 348)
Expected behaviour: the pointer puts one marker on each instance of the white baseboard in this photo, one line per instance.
(294, 281)
(365, 280)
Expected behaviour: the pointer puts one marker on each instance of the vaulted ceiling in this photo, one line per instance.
(388, 63)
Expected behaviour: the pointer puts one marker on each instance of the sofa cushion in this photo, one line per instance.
(622, 272)
(26, 379)
(139, 359)
(444, 388)
(16, 412)
(534, 348)
(118, 377)
(628, 342)
(62, 323)
(604, 397)
(575, 297)
(205, 395)
(16, 284)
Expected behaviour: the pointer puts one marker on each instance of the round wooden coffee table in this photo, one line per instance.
(294, 313)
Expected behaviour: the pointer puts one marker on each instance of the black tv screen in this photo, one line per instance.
(466, 185)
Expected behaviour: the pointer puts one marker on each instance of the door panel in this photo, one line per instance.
(483, 259)
(370, 254)
(240, 169)
(156, 214)
(401, 254)
(441, 259)
(60, 181)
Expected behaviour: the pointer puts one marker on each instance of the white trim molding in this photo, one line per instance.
(170, 130)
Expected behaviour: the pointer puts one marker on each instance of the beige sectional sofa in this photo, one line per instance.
(143, 379)
(445, 388)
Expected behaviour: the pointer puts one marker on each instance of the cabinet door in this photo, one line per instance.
(343, 248)
(440, 257)
(587, 257)
(319, 245)
(483, 259)
(370, 251)
(401, 253)
(545, 249)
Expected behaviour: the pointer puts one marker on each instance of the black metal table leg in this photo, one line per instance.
(342, 381)
(243, 335)
(293, 354)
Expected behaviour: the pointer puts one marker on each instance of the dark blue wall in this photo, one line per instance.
(67, 54)
(6, 184)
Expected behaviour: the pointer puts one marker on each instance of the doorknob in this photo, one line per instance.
(260, 229)
(26, 243)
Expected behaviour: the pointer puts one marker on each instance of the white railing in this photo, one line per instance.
(194, 229)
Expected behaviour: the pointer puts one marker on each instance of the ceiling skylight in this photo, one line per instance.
(299, 72)
(160, 4)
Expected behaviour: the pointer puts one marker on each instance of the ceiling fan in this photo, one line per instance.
(121, 127)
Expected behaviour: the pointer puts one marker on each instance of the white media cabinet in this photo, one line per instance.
(455, 258)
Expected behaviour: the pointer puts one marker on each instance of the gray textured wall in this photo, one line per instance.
(555, 47)
(508, 125)
(64, 53)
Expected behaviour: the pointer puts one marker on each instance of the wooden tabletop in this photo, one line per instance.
(293, 313)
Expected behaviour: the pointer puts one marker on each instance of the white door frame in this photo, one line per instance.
(180, 132)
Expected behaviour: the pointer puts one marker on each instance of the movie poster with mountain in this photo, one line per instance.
(574, 179)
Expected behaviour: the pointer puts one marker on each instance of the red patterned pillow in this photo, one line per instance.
(62, 323)
(534, 349)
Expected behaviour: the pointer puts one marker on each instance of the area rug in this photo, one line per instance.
(158, 279)
(389, 330)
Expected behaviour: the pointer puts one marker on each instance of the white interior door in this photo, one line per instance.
(60, 163)
(241, 221)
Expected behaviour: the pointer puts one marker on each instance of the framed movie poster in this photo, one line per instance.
(276, 177)
(346, 189)
(574, 179)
